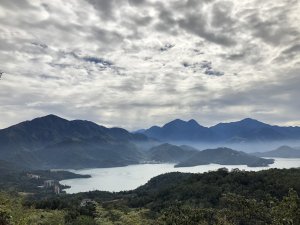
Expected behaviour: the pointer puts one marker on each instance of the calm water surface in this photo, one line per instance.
(131, 177)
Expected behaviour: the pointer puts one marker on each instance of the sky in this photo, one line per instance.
(138, 63)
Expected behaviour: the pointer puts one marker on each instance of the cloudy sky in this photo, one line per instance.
(136, 63)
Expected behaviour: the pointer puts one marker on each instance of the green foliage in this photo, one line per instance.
(186, 215)
(122, 217)
(237, 210)
(82, 220)
(4, 217)
(12, 212)
(240, 210)
(215, 198)
(207, 189)
(287, 212)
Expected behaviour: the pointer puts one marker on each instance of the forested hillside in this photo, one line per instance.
(220, 197)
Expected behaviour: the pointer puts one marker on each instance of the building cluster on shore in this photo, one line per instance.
(52, 184)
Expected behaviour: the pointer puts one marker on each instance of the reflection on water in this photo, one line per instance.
(131, 177)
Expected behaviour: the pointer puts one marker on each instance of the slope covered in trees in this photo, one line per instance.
(220, 197)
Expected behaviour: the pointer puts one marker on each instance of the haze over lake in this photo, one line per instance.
(133, 176)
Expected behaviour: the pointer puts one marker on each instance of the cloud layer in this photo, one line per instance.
(137, 63)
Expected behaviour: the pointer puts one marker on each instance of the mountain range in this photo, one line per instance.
(52, 142)
(246, 130)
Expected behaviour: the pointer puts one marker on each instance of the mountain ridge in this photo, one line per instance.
(35, 144)
(245, 130)
(52, 142)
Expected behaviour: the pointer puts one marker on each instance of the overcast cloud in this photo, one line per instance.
(136, 63)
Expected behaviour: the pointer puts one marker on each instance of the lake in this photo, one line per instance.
(133, 176)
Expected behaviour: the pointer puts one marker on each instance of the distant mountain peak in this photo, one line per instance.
(180, 130)
(192, 121)
(48, 121)
(247, 122)
(154, 127)
(179, 122)
(52, 115)
(49, 117)
(250, 120)
(176, 121)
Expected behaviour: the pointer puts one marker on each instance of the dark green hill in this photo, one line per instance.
(268, 197)
(224, 156)
(169, 153)
(205, 190)
(54, 142)
(186, 156)
(89, 153)
(281, 152)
